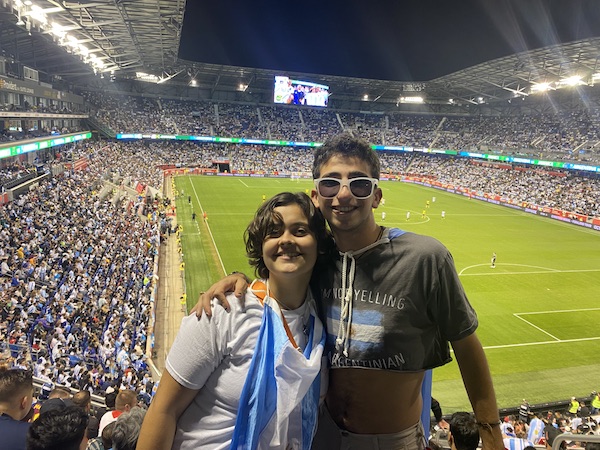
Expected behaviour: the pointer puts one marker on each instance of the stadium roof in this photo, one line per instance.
(125, 37)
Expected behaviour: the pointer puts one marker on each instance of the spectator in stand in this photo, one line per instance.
(59, 429)
(464, 432)
(126, 400)
(519, 441)
(550, 433)
(127, 427)
(284, 241)
(536, 429)
(584, 411)
(83, 399)
(16, 396)
(437, 413)
(103, 442)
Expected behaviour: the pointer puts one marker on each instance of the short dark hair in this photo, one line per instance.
(110, 399)
(465, 431)
(58, 429)
(13, 382)
(267, 220)
(347, 146)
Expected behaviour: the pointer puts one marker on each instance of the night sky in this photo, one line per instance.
(390, 40)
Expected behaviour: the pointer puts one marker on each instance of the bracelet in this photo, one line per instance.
(488, 425)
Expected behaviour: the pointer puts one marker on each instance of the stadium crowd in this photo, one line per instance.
(77, 271)
(572, 135)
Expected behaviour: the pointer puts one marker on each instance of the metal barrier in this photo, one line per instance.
(574, 437)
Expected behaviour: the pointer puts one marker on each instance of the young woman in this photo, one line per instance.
(256, 381)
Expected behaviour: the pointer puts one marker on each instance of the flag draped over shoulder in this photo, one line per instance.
(279, 403)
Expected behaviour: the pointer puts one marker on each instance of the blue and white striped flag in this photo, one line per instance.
(279, 403)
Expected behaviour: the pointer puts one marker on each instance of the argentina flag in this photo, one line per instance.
(279, 403)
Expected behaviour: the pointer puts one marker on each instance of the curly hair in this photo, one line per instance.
(267, 220)
(58, 429)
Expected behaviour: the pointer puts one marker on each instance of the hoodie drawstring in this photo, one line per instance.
(342, 341)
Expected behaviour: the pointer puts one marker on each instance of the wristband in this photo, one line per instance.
(488, 425)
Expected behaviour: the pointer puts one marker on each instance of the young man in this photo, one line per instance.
(63, 427)
(392, 304)
(464, 432)
(16, 396)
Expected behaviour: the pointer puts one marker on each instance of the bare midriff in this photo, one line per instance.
(368, 401)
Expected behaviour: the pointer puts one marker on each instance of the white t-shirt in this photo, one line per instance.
(214, 356)
(108, 417)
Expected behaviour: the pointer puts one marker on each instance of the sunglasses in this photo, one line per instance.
(360, 187)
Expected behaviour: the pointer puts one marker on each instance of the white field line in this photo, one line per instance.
(542, 270)
(209, 230)
(243, 183)
(536, 327)
(528, 344)
(558, 311)
(556, 340)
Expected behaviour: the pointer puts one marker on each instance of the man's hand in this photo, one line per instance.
(444, 425)
(236, 283)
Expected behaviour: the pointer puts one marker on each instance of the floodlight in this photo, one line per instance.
(411, 99)
(366, 97)
(540, 87)
(574, 80)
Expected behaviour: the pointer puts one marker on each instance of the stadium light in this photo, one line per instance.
(142, 76)
(366, 97)
(574, 80)
(193, 82)
(411, 100)
(541, 87)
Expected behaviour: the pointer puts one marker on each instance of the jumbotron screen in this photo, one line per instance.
(296, 92)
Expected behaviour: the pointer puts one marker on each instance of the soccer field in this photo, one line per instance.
(539, 308)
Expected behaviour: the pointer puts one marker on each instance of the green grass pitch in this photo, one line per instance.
(539, 308)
